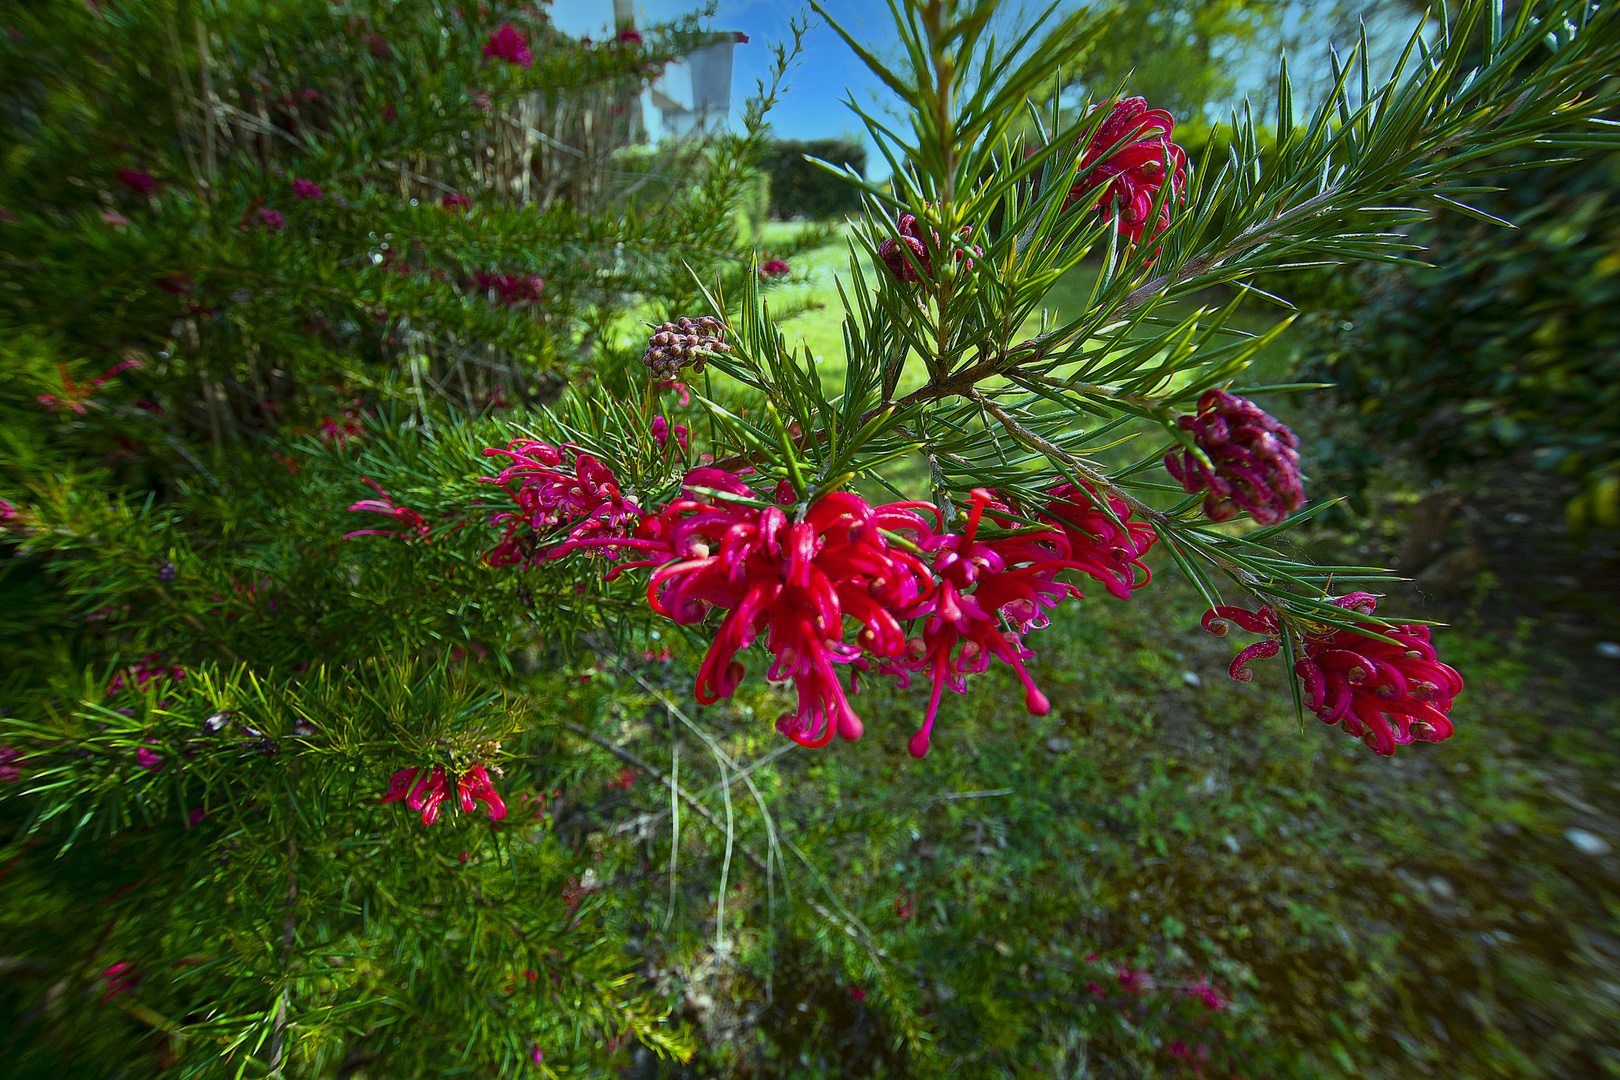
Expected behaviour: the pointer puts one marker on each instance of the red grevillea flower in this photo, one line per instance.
(629, 36)
(1253, 460)
(272, 219)
(775, 268)
(661, 431)
(554, 491)
(147, 759)
(138, 182)
(1127, 153)
(75, 396)
(1385, 693)
(457, 202)
(1107, 551)
(980, 583)
(119, 978)
(416, 527)
(793, 581)
(11, 762)
(307, 189)
(510, 289)
(426, 791)
(510, 45)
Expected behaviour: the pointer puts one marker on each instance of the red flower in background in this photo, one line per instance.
(456, 202)
(307, 189)
(416, 527)
(629, 36)
(136, 181)
(510, 45)
(1127, 155)
(509, 289)
(426, 791)
(775, 268)
(1385, 693)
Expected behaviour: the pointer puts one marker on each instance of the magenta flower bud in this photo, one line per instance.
(894, 251)
(1253, 462)
(1127, 153)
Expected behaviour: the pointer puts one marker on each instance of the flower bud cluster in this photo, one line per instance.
(1127, 154)
(906, 255)
(1253, 460)
(684, 342)
(1387, 693)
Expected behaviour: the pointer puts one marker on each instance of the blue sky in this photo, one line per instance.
(827, 72)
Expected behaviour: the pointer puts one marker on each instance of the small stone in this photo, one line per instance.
(1191, 679)
(1609, 650)
(1060, 744)
(1442, 889)
(1587, 843)
(1231, 844)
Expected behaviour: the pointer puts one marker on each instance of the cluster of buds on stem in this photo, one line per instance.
(684, 342)
(1127, 154)
(906, 255)
(1250, 461)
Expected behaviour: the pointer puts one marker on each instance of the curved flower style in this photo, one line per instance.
(1385, 693)
(794, 581)
(426, 791)
(893, 252)
(674, 345)
(1099, 547)
(1255, 459)
(510, 45)
(587, 496)
(1012, 577)
(1127, 153)
(416, 526)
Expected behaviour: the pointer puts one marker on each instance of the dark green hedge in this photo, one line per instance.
(800, 187)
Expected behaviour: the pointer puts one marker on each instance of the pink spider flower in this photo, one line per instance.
(1127, 154)
(775, 268)
(1385, 693)
(661, 431)
(119, 978)
(510, 45)
(426, 791)
(307, 189)
(980, 582)
(416, 526)
(75, 397)
(1111, 553)
(1253, 460)
(792, 581)
(680, 388)
(583, 493)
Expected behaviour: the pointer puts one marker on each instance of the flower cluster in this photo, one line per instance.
(426, 790)
(1128, 153)
(510, 289)
(1250, 461)
(307, 189)
(798, 581)
(1387, 691)
(12, 762)
(457, 202)
(906, 255)
(771, 268)
(509, 44)
(557, 487)
(675, 345)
